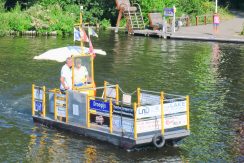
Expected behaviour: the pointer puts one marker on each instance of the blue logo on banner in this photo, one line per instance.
(38, 106)
(99, 106)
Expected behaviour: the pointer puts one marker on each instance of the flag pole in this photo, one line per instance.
(89, 35)
(81, 40)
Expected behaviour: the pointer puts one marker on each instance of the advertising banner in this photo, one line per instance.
(155, 110)
(175, 107)
(99, 106)
(175, 121)
(148, 125)
(155, 124)
(148, 111)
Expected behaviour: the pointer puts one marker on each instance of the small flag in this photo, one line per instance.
(76, 34)
(91, 50)
(91, 32)
(84, 36)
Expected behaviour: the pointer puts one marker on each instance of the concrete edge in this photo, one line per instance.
(240, 41)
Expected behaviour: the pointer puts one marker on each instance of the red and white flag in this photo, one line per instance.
(84, 36)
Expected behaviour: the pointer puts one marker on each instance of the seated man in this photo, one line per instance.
(80, 73)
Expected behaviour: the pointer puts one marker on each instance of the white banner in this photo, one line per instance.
(148, 111)
(175, 107)
(175, 121)
(155, 124)
(148, 125)
(155, 110)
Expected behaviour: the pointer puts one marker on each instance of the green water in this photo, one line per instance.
(211, 73)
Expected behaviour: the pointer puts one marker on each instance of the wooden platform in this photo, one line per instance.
(151, 33)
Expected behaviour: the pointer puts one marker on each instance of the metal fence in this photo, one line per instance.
(149, 112)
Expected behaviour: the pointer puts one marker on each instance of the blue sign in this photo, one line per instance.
(99, 106)
(38, 106)
(168, 12)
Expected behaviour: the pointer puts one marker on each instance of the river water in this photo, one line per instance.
(210, 73)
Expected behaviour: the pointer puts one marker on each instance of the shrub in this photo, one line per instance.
(242, 30)
(105, 24)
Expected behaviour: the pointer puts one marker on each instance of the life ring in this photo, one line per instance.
(158, 140)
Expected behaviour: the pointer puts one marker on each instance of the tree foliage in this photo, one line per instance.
(59, 15)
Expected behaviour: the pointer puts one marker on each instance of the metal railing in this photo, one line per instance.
(114, 107)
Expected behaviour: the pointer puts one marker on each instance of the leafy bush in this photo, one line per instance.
(242, 31)
(105, 24)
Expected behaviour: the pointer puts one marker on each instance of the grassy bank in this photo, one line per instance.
(45, 16)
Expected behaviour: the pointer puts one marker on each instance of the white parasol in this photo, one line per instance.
(61, 54)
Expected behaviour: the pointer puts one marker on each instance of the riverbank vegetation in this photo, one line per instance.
(45, 16)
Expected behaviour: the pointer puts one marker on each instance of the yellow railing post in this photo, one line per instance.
(105, 91)
(110, 116)
(162, 111)
(117, 94)
(139, 96)
(135, 118)
(33, 99)
(188, 111)
(73, 72)
(44, 101)
(55, 108)
(92, 68)
(88, 112)
(67, 106)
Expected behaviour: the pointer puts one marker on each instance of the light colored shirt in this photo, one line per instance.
(216, 19)
(66, 73)
(80, 74)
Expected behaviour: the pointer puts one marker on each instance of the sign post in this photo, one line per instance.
(173, 23)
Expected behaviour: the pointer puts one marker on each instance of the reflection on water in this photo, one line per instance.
(211, 73)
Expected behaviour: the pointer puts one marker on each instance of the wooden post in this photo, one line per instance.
(205, 20)
(196, 20)
(187, 21)
(135, 118)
